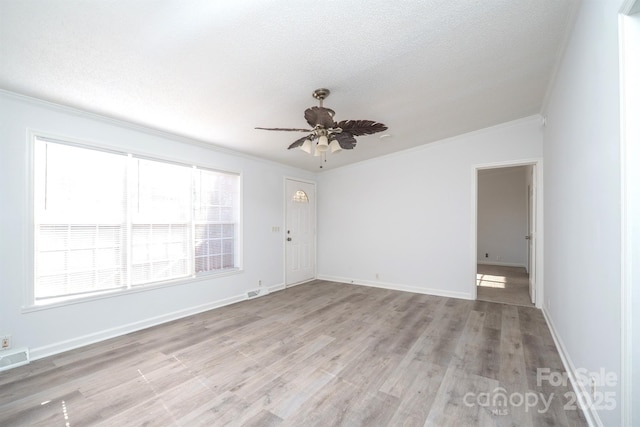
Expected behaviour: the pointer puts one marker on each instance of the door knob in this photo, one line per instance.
(527, 237)
(288, 239)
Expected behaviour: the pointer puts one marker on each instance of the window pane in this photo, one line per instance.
(71, 267)
(159, 252)
(79, 201)
(216, 213)
(162, 192)
(80, 185)
(228, 230)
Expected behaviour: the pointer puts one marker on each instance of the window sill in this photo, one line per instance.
(61, 302)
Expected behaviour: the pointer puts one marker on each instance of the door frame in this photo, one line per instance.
(531, 230)
(629, 39)
(539, 235)
(284, 228)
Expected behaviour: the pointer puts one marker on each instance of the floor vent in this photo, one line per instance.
(13, 358)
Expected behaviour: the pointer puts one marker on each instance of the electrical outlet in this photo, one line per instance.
(377, 276)
(486, 255)
(259, 282)
(5, 342)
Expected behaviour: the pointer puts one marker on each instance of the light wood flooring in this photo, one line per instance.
(318, 354)
(507, 285)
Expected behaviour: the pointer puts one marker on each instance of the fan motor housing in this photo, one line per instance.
(321, 93)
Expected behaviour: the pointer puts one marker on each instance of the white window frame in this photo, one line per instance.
(30, 304)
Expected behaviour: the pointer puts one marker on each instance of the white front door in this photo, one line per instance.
(300, 232)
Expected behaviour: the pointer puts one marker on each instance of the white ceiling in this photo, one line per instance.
(213, 70)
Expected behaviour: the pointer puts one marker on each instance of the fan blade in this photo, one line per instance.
(345, 139)
(299, 142)
(319, 116)
(361, 127)
(287, 129)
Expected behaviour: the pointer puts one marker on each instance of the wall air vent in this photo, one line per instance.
(253, 294)
(13, 358)
(257, 293)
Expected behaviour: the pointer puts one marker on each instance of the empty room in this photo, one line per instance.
(329, 213)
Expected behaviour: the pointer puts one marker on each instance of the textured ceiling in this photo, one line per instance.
(213, 70)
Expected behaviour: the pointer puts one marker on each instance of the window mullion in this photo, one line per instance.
(129, 204)
(192, 221)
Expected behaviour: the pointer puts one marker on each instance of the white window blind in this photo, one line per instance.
(106, 221)
(216, 221)
(161, 218)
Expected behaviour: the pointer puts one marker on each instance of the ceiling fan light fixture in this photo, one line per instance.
(306, 146)
(323, 143)
(334, 146)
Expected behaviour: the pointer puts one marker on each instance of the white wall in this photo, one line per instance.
(55, 329)
(582, 198)
(502, 216)
(409, 217)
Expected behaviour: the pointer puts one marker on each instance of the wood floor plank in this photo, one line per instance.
(343, 403)
(53, 411)
(279, 364)
(263, 419)
(320, 353)
(512, 374)
(415, 392)
(451, 408)
(149, 413)
(221, 410)
(296, 391)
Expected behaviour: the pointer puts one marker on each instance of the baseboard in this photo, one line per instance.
(583, 395)
(502, 264)
(299, 283)
(59, 347)
(276, 288)
(398, 287)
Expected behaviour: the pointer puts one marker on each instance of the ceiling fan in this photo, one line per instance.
(326, 133)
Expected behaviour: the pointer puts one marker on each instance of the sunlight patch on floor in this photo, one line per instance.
(490, 281)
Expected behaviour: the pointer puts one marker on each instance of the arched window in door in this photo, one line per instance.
(300, 197)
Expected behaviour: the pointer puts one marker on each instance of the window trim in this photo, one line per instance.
(62, 302)
(29, 302)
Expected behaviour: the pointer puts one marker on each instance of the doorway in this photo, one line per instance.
(300, 231)
(501, 284)
(505, 233)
